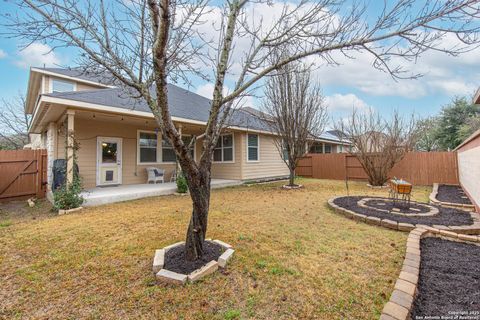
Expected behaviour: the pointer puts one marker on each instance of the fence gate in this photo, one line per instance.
(23, 174)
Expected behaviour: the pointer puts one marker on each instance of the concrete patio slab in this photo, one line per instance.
(104, 195)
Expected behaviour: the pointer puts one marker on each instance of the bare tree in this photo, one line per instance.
(14, 124)
(378, 143)
(144, 44)
(295, 111)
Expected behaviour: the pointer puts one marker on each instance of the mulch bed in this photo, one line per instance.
(452, 194)
(446, 216)
(449, 280)
(175, 258)
(403, 207)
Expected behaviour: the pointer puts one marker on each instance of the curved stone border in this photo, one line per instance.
(403, 295)
(171, 277)
(402, 226)
(433, 211)
(433, 200)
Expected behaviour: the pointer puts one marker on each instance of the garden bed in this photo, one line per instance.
(451, 196)
(449, 278)
(175, 258)
(444, 217)
(171, 266)
(438, 279)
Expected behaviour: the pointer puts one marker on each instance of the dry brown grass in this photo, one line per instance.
(295, 258)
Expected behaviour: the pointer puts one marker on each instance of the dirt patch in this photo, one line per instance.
(452, 194)
(449, 278)
(13, 212)
(175, 258)
(446, 216)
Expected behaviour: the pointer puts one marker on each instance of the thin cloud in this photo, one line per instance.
(37, 55)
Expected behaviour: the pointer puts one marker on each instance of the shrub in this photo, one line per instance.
(182, 186)
(68, 198)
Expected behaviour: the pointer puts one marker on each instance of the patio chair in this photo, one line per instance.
(154, 175)
(173, 178)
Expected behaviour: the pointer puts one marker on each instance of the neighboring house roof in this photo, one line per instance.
(476, 97)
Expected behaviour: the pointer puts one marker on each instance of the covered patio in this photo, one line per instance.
(104, 195)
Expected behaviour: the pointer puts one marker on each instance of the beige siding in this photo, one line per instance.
(227, 170)
(270, 163)
(83, 86)
(86, 133)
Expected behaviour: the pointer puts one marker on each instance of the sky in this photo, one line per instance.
(352, 83)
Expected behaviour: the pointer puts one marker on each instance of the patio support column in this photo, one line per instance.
(51, 146)
(177, 165)
(323, 147)
(70, 145)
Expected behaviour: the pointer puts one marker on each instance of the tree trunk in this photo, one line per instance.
(292, 176)
(200, 193)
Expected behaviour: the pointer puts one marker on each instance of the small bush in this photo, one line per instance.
(182, 186)
(67, 198)
(232, 314)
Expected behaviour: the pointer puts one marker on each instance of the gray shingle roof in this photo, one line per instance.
(183, 103)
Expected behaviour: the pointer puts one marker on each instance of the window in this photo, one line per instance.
(340, 148)
(147, 147)
(223, 151)
(328, 148)
(109, 152)
(62, 86)
(284, 151)
(252, 146)
(168, 154)
(316, 148)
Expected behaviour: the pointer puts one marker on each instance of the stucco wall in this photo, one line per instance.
(469, 168)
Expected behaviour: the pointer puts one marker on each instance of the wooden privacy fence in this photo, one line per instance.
(419, 168)
(23, 173)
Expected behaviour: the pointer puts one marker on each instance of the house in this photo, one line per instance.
(331, 141)
(468, 162)
(118, 136)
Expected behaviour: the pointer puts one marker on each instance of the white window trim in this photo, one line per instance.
(258, 147)
(233, 148)
(50, 84)
(159, 149)
(159, 146)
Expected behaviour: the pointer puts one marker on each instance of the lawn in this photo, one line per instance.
(295, 258)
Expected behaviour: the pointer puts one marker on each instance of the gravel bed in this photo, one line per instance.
(402, 206)
(175, 258)
(449, 280)
(446, 216)
(452, 194)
